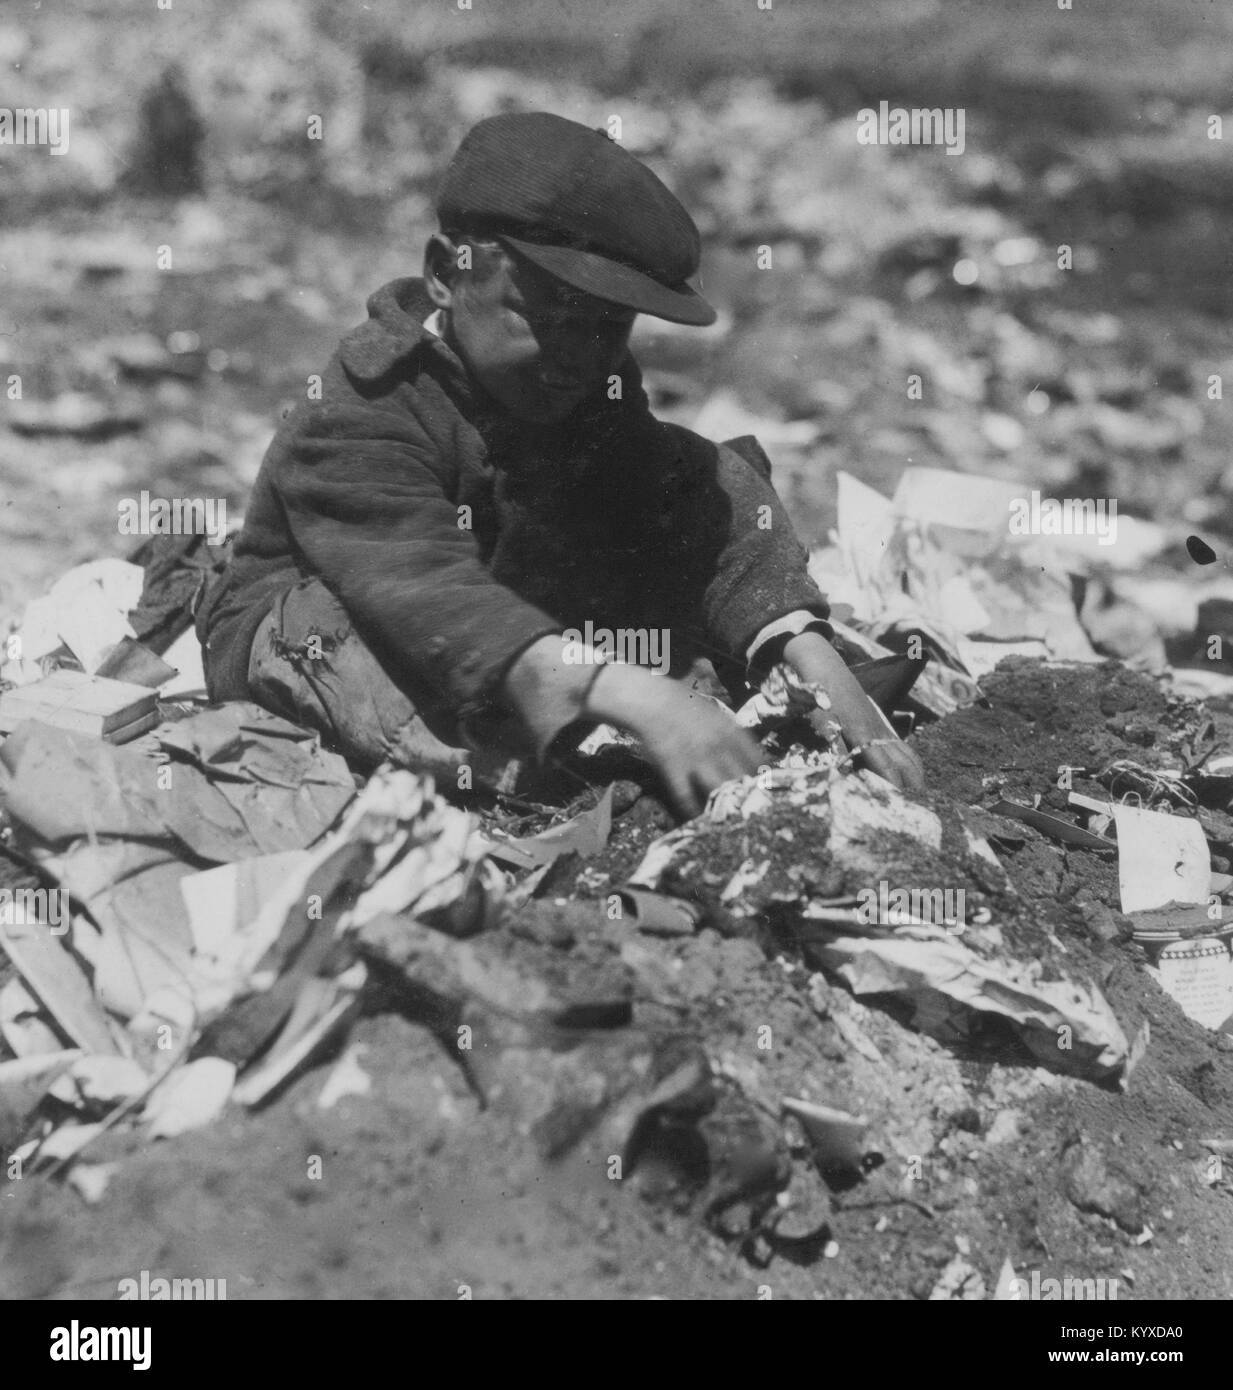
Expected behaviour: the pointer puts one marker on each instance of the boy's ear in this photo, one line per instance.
(440, 269)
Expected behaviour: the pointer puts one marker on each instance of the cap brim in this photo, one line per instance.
(617, 283)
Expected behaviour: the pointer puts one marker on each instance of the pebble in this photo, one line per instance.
(1094, 1185)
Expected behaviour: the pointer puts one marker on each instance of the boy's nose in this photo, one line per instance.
(567, 339)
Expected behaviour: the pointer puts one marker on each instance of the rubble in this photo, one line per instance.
(1095, 1185)
(686, 1029)
(114, 710)
(572, 1023)
(1063, 1024)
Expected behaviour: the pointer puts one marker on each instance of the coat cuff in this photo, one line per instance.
(761, 654)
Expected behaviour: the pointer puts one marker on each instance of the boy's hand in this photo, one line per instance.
(893, 759)
(862, 725)
(692, 744)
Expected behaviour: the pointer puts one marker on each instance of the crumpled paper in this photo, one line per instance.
(938, 560)
(425, 857)
(1067, 1026)
(254, 784)
(858, 808)
(782, 695)
(86, 610)
(119, 830)
(584, 834)
(246, 934)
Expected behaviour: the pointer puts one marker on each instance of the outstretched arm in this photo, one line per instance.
(861, 724)
(693, 745)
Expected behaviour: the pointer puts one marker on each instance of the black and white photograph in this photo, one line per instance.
(613, 669)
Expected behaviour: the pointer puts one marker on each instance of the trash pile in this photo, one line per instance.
(942, 567)
(211, 884)
(123, 621)
(203, 902)
(948, 968)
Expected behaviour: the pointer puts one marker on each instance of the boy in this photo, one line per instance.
(482, 480)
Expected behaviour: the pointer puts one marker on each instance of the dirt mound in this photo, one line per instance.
(494, 1171)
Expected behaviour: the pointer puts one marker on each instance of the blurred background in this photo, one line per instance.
(168, 370)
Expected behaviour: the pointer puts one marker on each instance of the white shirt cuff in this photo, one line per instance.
(790, 625)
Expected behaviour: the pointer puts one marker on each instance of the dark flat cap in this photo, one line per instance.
(579, 206)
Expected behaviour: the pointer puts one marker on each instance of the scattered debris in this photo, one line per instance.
(1198, 973)
(1056, 827)
(348, 1078)
(585, 834)
(836, 1136)
(1096, 1184)
(947, 618)
(53, 974)
(189, 1098)
(84, 614)
(1161, 859)
(239, 783)
(91, 1180)
(23, 1084)
(117, 711)
(1066, 1026)
(658, 914)
(959, 1281)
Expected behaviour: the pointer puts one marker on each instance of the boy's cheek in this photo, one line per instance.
(519, 353)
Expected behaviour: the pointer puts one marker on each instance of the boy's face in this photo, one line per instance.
(536, 345)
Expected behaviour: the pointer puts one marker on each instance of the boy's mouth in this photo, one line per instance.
(562, 385)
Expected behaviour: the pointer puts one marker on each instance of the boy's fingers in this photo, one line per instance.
(752, 758)
(681, 796)
(824, 725)
(741, 755)
(897, 764)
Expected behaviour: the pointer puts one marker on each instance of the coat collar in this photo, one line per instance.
(395, 329)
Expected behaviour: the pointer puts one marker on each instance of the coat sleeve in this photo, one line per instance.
(753, 567)
(366, 495)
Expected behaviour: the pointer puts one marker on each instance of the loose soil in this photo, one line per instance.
(974, 1155)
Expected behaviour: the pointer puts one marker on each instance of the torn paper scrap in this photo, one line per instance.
(1161, 859)
(1067, 1026)
(348, 1078)
(223, 901)
(85, 609)
(23, 1023)
(190, 1097)
(1056, 827)
(53, 975)
(1198, 974)
(186, 657)
(251, 786)
(23, 1084)
(103, 1081)
(584, 834)
(116, 710)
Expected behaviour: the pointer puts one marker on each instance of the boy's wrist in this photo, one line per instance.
(620, 694)
(813, 658)
(546, 692)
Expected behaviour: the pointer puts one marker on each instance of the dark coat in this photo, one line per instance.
(612, 516)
